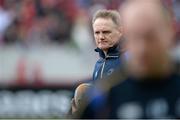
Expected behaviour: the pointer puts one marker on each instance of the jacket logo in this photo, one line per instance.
(110, 71)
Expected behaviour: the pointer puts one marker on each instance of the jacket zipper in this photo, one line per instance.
(102, 70)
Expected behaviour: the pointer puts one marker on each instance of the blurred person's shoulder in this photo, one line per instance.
(130, 84)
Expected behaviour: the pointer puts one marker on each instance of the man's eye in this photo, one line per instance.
(106, 32)
(97, 32)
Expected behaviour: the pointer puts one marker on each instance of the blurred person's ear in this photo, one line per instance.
(171, 34)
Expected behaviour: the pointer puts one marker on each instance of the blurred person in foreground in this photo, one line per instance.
(107, 33)
(152, 85)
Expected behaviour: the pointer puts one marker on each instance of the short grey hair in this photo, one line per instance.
(107, 14)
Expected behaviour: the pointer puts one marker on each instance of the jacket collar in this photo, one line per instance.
(113, 51)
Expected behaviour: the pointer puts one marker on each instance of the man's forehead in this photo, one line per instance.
(103, 22)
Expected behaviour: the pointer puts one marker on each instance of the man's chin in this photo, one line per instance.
(104, 48)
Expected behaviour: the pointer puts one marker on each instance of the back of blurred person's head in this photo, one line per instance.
(79, 96)
(149, 35)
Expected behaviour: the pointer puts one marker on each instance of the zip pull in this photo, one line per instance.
(111, 56)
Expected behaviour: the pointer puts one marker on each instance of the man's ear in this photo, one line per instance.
(120, 30)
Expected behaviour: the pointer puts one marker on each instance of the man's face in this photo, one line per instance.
(147, 40)
(106, 33)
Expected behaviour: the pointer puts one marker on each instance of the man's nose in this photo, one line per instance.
(101, 36)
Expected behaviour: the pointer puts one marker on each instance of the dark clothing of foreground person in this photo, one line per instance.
(148, 98)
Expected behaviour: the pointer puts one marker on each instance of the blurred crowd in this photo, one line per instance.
(39, 22)
(30, 22)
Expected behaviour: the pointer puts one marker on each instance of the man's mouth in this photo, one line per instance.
(102, 42)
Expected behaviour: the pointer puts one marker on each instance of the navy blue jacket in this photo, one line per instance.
(107, 64)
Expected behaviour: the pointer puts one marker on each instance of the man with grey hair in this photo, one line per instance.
(107, 33)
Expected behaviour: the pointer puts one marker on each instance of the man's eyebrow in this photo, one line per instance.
(106, 31)
(96, 32)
